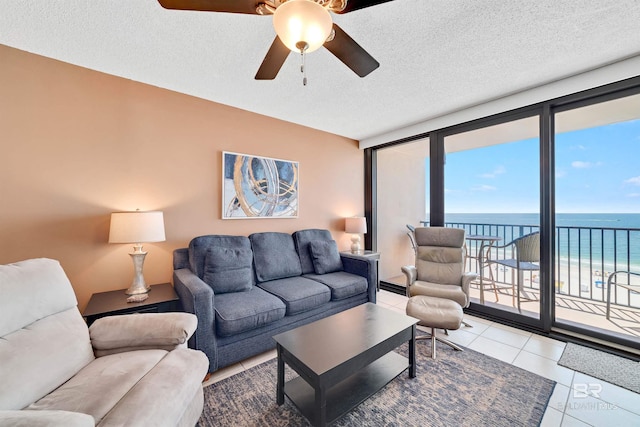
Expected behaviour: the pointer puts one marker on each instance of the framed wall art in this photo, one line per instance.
(258, 187)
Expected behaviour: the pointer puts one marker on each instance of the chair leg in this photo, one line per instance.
(493, 282)
(520, 279)
(437, 338)
(433, 343)
(467, 325)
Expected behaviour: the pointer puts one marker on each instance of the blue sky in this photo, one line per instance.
(597, 170)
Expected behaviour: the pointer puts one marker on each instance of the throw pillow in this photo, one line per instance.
(228, 270)
(325, 256)
(274, 256)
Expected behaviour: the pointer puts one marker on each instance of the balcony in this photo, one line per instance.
(585, 257)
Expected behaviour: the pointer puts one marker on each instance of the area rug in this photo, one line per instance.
(605, 366)
(461, 388)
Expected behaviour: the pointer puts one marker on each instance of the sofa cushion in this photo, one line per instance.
(302, 239)
(134, 388)
(166, 395)
(298, 293)
(100, 385)
(237, 312)
(228, 269)
(342, 284)
(274, 256)
(45, 419)
(199, 246)
(325, 255)
(27, 357)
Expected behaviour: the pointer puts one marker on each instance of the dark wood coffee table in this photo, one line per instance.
(343, 359)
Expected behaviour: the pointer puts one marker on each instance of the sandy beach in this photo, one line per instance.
(575, 281)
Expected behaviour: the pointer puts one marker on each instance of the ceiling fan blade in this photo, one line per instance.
(360, 4)
(273, 61)
(351, 53)
(231, 6)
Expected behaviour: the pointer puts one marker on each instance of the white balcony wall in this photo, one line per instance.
(401, 197)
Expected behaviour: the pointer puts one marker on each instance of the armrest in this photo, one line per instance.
(467, 278)
(411, 273)
(365, 267)
(198, 298)
(45, 419)
(117, 334)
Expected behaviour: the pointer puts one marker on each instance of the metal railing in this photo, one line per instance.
(585, 257)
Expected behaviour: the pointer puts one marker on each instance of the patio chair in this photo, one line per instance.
(626, 285)
(525, 256)
(439, 266)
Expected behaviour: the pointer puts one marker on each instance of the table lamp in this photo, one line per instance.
(355, 225)
(137, 228)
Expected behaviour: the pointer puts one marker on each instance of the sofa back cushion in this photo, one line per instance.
(302, 239)
(199, 246)
(43, 339)
(325, 255)
(228, 269)
(274, 256)
(32, 290)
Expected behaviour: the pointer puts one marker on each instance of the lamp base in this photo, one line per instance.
(138, 286)
(137, 290)
(355, 244)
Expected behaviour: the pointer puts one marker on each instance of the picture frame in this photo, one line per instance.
(259, 187)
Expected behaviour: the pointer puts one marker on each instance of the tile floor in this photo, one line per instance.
(578, 399)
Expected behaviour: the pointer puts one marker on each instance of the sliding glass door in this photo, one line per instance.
(492, 190)
(549, 197)
(597, 199)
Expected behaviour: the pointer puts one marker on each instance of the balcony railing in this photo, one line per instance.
(585, 257)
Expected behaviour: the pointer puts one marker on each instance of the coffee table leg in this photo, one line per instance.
(280, 382)
(412, 353)
(321, 407)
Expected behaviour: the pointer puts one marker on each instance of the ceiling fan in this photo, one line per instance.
(301, 26)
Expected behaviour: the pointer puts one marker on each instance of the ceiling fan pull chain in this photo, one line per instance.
(303, 46)
(303, 69)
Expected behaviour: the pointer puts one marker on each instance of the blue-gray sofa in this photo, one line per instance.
(244, 289)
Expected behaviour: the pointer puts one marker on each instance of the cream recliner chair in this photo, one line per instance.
(439, 270)
(125, 370)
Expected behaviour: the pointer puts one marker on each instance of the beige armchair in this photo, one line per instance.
(124, 370)
(439, 270)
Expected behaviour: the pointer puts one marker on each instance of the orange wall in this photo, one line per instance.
(77, 145)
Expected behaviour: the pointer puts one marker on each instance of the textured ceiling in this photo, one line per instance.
(436, 56)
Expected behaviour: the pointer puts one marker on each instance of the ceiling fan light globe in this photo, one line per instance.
(302, 21)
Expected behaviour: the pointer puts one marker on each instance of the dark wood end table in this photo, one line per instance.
(343, 359)
(162, 298)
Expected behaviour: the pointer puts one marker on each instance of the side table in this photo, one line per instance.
(162, 298)
(367, 254)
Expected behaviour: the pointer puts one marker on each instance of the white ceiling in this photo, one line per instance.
(436, 56)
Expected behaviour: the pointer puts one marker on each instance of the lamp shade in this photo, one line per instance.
(136, 227)
(355, 225)
(304, 22)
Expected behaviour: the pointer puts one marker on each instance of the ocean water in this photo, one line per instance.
(595, 220)
(606, 242)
